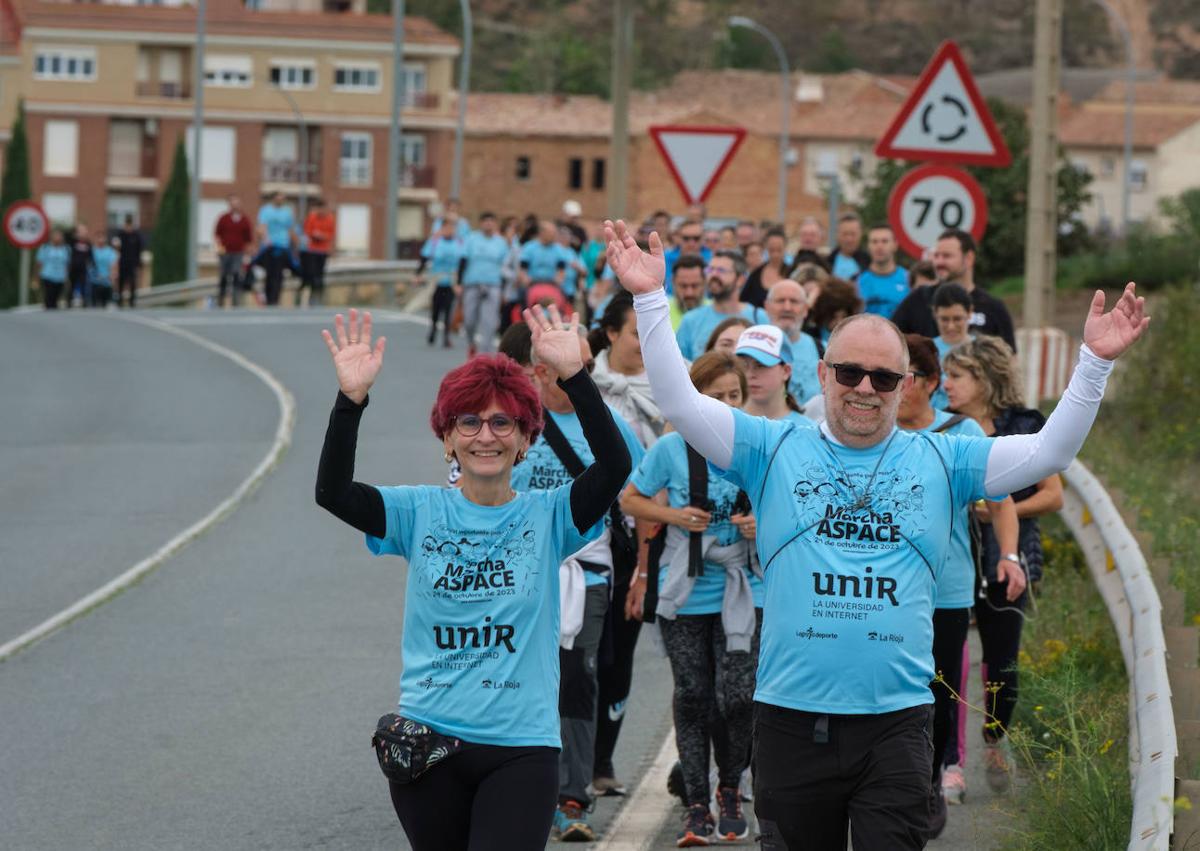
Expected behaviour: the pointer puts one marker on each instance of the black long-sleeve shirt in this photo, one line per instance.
(914, 315)
(361, 505)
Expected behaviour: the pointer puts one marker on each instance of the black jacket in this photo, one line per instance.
(990, 316)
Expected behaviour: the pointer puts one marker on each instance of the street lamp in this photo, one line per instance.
(303, 129)
(1130, 79)
(464, 84)
(197, 140)
(786, 99)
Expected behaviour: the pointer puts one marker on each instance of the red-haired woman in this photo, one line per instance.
(479, 688)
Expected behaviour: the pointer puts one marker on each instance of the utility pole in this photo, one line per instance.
(464, 86)
(197, 141)
(1041, 224)
(393, 164)
(622, 65)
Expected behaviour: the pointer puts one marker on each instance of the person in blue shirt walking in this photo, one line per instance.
(787, 307)
(103, 271)
(852, 527)
(52, 258)
(573, 268)
(952, 310)
(883, 284)
(482, 281)
(541, 260)
(277, 236)
(725, 275)
(479, 681)
(690, 235)
(442, 252)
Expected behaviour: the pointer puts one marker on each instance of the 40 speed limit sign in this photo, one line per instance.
(26, 225)
(928, 200)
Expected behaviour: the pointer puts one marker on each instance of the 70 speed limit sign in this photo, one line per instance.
(928, 200)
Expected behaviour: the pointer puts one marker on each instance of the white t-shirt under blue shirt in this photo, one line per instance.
(882, 294)
(848, 616)
(481, 610)
(541, 470)
(666, 466)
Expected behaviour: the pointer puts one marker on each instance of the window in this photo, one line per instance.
(353, 229)
(1139, 176)
(65, 63)
(125, 148)
(598, 169)
(60, 149)
(293, 74)
(206, 223)
(59, 207)
(414, 84)
(524, 168)
(355, 162)
(218, 153)
(574, 173)
(117, 207)
(234, 72)
(356, 78)
(412, 150)
(1108, 166)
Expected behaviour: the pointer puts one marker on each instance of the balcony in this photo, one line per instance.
(173, 91)
(422, 100)
(291, 171)
(417, 176)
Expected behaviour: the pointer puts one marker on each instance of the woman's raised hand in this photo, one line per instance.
(1110, 334)
(357, 364)
(555, 343)
(638, 271)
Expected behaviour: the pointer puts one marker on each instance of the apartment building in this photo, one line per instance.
(297, 99)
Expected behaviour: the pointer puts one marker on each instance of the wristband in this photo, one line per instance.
(1013, 557)
(643, 576)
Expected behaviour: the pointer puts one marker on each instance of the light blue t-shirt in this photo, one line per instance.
(671, 257)
(53, 260)
(103, 258)
(443, 255)
(956, 583)
(541, 470)
(882, 294)
(848, 619)
(481, 610)
(462, 229)
(697, 326)
(279, 223)
(846, 267)
(666, 466)
(541, 262)
(570, 275)
(804, 384)
(485, 258)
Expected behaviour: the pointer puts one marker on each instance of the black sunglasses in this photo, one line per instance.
(849, 375)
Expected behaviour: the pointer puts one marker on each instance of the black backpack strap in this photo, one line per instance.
(950, 423)
(653, 565)
(697, 498)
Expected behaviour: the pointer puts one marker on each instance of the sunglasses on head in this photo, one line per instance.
(469, 425)
(849, 375)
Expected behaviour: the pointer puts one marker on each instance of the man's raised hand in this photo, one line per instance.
(357, 364)
(1110, 334)
(638, 271)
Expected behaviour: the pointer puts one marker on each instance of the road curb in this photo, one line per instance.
(134, 574)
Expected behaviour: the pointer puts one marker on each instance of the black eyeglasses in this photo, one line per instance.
(849, 375)
(689, 237)
(469, 425)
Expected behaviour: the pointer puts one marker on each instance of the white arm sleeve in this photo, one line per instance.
(1019, 460)
(704, 422)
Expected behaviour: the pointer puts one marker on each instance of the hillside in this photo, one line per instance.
(563, 45)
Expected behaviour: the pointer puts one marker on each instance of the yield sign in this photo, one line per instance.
(945, 118)
(697, 156)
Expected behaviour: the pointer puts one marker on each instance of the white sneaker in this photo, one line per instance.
(954, 784)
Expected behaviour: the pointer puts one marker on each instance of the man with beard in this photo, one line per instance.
(725, 275)
(954, 262)
(787, 307)
(689, 287)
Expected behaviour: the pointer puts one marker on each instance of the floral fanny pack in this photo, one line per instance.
(406, 749)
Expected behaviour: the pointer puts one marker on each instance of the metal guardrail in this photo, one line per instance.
(1120, 570)
(386, 273)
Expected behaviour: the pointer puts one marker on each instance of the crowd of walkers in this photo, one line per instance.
(811, 471)
(82, 270)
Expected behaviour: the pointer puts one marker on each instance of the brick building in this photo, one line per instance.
(108, 94)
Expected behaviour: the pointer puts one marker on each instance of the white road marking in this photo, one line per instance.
(647, 809)
(283, 439)
(257, 318)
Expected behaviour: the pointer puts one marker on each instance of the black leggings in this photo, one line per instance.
(443, 308)
(616, 673)
(1000, 635)
(51, 293)
(713, 700)
(949, 635)
(487, 798)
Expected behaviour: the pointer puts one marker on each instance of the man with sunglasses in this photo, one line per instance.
(585, 582)
(724, 276)
(689, 236)
(855, 519)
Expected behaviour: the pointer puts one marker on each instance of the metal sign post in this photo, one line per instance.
(23, 283)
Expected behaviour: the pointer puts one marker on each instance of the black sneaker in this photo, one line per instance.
(731, 824)
(676, 785)
(698, 827)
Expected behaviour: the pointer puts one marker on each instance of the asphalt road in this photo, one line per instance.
(227, 700)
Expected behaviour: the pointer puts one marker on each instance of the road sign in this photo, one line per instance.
(697, 156)
(931, 198)
(945, 118)
(26, 225)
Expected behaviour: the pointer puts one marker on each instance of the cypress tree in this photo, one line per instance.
(171, 227)
(14, 186)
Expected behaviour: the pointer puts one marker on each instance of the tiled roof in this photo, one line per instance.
(1161, 92)
(227, 17)
(1105, 128)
